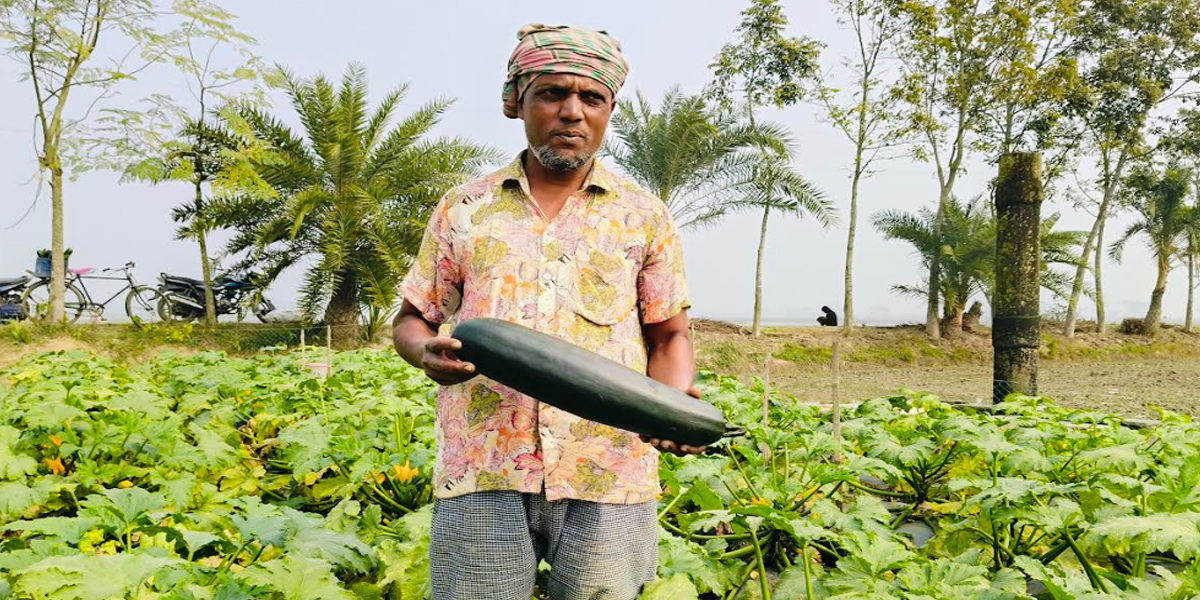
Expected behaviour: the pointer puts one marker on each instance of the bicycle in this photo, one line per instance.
(141, 303)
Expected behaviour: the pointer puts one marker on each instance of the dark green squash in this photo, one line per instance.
(586, 384)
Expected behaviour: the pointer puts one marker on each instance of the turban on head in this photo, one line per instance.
(562, 49)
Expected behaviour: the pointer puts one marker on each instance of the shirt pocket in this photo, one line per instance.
(604, 280)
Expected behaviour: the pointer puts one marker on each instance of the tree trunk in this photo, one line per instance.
(1154, 315)
(1101, 321)
(58, 261)
(1016, 329)
(1187, 323)
(342, 313)
(756, 328)
(848, 303)
(932, 328)
(952, 322)
(210, 302)
(1110, 191)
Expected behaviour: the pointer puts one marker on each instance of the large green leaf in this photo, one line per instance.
(1179, 534)
(675, 587)
(88, 577)
(13, 465)
(297, 578)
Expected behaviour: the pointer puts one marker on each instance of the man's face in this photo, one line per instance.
(565, 119)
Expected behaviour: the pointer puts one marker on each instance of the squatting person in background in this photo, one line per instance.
(558, 243)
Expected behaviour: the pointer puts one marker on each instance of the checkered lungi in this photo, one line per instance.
(487, 546)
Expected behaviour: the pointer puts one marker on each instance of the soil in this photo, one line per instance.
(1121, 374)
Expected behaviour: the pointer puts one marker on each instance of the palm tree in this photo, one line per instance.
(963, 244)
(775, 184)
(696, 160)
(966, 247)
(1160, 200)
(705, 164)
(351, 192)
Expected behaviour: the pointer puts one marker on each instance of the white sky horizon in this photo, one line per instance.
(459, 49)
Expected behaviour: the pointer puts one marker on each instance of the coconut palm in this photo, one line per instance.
(1159, 199)
(350, 194)
(198, 155)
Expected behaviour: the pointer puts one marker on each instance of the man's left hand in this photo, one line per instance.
(672, 447)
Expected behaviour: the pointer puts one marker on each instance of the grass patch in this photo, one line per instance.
(884, 354)
(725, 356)
(803, 355)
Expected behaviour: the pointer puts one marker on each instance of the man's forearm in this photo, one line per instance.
(409, 334)
(671, 360)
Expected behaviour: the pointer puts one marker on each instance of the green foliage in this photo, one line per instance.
(764, 66)
(963, 240)
(352, 190)
(700, 162)
(206, 476)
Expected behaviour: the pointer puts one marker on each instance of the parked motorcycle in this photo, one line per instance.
(182, 298)
(11, 289)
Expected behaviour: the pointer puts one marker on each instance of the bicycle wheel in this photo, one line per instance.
(36, 301)
(142, 305)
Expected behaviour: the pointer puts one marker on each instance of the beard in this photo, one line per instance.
(558, 161)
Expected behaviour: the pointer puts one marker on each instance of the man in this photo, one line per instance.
(557, 243)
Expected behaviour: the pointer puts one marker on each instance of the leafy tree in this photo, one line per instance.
(766, 68)
(1035, 77)
(951, 53)
(57, 44)
(1159, 199)
(172, 139)
(864, 115)
(1183, 141)
(351, 192)
(1135, 55)
(700, 162)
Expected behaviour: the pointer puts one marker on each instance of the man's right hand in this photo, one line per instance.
(440, 363)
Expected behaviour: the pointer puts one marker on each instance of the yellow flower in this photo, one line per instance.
(57, 441)
(125, 484)
(56, 465)
(757, 501)
(405, 473)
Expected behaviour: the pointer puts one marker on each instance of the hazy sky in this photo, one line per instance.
(459, 49)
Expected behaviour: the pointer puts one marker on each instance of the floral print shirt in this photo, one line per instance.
(608, 263)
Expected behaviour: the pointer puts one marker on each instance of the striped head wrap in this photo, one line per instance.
(543, 49)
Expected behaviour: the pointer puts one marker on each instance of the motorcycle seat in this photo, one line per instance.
(13, 282)
(183, 280)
